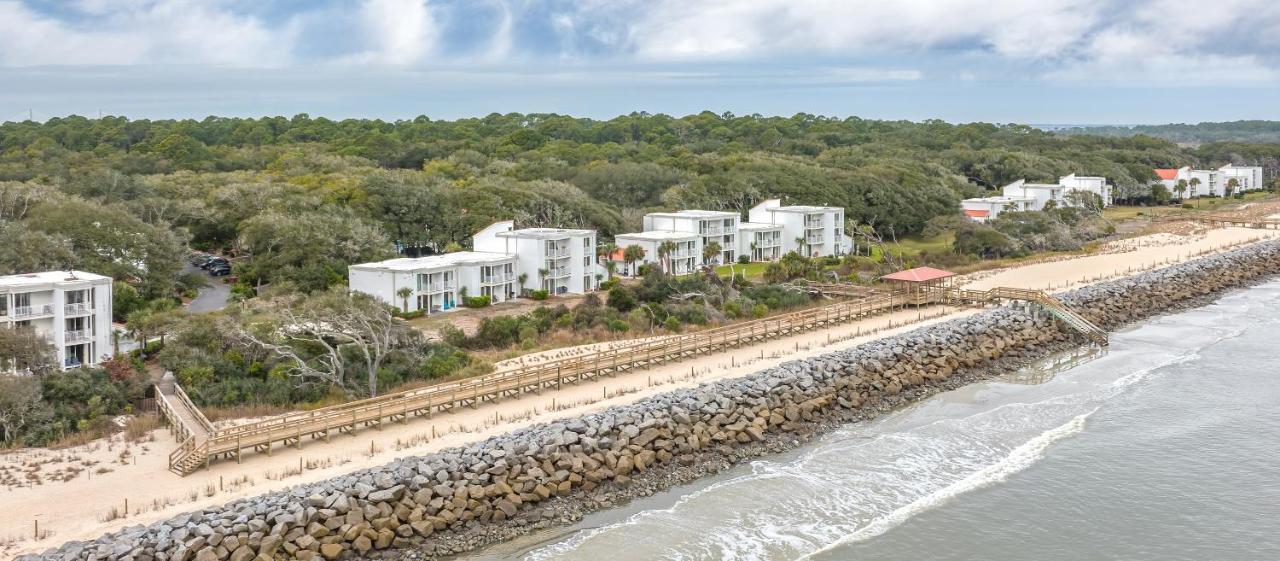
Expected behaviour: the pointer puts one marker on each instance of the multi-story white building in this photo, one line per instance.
(684, 257)
(760, 242)
(72, 309)
(1248, 178)
(989, 208)
(812, 231)
(437, 283)
(1087, 184)
(1039, 193)
(710, 226)
(557, 260)
(1210, 183)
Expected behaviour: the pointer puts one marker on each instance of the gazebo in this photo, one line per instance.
(917, 283)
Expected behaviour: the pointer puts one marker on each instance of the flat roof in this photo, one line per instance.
(805, 208)
(1041, 185)
(48, 277)
(437, 261)
(546, 233)
(695, 214)
(758, 226)
(659, 235)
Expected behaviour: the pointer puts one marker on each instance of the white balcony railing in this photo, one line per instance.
(498, 279)
(32, 311)
(557, 253)
(712, 231)
(557, 272)
(76, 336)
(76, 309)
(813, 239)
(438, 286)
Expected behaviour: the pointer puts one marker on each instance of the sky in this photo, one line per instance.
(1026, 61)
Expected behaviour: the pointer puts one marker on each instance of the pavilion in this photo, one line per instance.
(917, 284)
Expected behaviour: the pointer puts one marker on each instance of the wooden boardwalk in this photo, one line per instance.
(201, 443)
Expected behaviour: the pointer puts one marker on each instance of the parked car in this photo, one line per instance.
(215, 262)
(220, 270)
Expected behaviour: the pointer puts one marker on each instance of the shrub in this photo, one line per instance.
(540, 294)
(759, 310)
(744, 259)
(477, 301)
(1188, 205)
(672, 324)
(609, 284)
(409, 315)
(622, 298)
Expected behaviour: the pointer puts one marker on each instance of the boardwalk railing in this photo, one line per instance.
(289, 429)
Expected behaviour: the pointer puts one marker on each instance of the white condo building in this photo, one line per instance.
(760, 242)
(989, 208)
(437, 283)
(709, 226)
(812, 231)
(1088, 184)
(1212, 183)
(557, 260)
(681, 260)
(72, 309)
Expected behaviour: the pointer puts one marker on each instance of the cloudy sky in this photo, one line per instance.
(1035, 61)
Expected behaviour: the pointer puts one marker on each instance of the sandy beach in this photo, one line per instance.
(89, 503)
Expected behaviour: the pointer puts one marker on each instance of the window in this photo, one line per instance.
(4, 304)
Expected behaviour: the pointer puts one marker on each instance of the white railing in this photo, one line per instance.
(497, 279)
(554, 253)
(77, 308)
(813, 239)
(76, 336)
(439, 286)
(712, 231)
(29, 311)
(558, 272)
(812, 223)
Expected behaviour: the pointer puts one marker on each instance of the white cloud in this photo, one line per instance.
(139, 32)
(396, 32)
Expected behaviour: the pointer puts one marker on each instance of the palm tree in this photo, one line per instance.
(664, 254)
(630, 255)
(522, 278)
(611, 267)
(542, 279)
(1180, 188)
(800, 246)
(404, 293)
(1231, 186)
(710, 252)
(1195, 182)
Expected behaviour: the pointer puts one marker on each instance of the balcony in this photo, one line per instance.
(437, 287)
(557, 272)
(497, 279)
(712, 231)
(21, 312)
(72, 362)
(557, 252)
(77, 309)
(813, 240)
(76, 336)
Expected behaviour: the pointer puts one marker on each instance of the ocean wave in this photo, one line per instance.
(1020, 458)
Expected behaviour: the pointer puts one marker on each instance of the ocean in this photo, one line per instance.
(1164, 447)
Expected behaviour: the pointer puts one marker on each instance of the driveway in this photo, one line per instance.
(213, 295)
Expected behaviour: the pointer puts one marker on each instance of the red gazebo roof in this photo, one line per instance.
(1167, 173)
(919, 274)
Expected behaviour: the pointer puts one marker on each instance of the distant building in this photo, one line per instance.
(437, 282)
(711, 226)
(1211, 183)
(812, 231)
(557, 260)
(1041, 194)
(989, 208)
(72, 309)
(681, 260)
(1088, 184)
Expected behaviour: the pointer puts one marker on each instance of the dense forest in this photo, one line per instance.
(296, 200)
(1233, 131)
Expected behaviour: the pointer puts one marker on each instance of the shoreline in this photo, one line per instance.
(665, 477)
(838, 387)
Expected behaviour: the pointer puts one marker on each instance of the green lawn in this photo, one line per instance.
(753, 271)
(914, 245)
